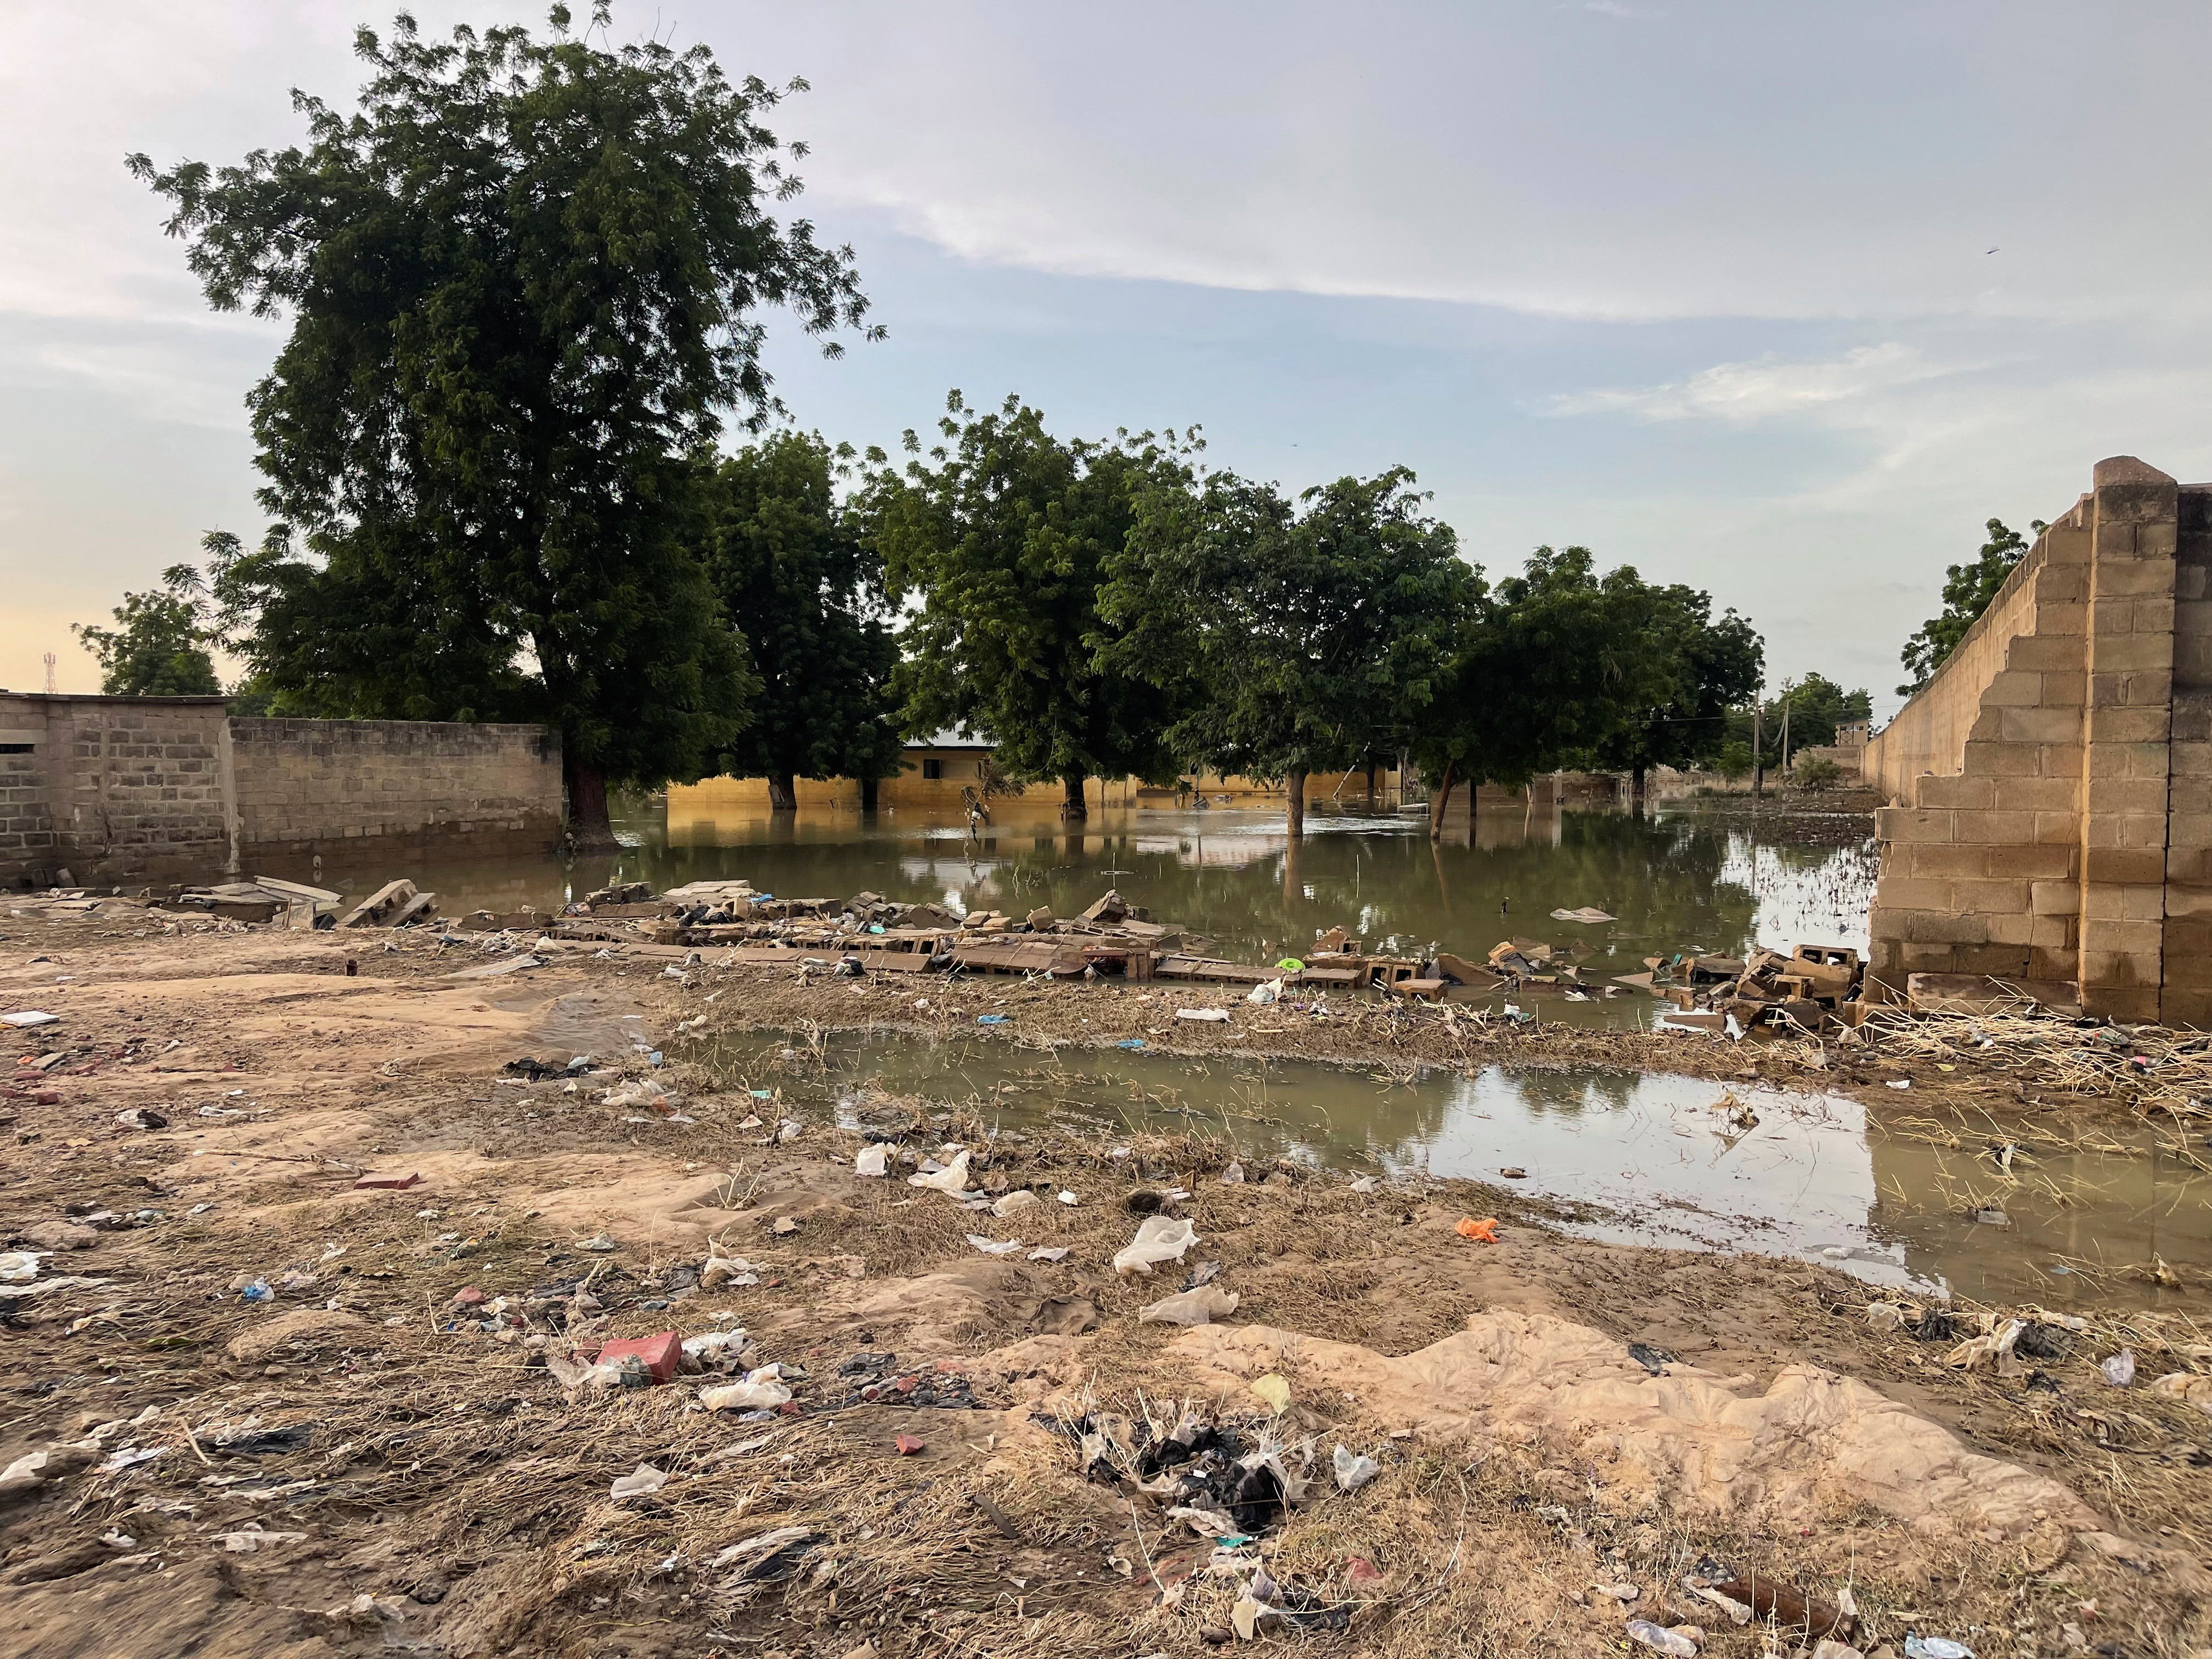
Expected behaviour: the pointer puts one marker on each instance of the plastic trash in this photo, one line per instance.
(1200, 1307)
(641, 1482)
(1159, 1238)
(992, 1247)
(1020, 1199)
(1884, 1315)
(1484, 1231)
(19, 1266)
(1936, 1647)
(875, 1159)
(1291, 965)
(1659, 1639)
(258, 1290)
(1049, 1253)
(1212, 1015)
(1233, 1175)
(1366, 1183)
(1353, 1473)
(1265, 992)
(1588, 912)
(1275, 1390)
(28, 1019)
(990, 1019)
(1130, 1042)
(750, 1396)
(953, 1178)
(2120, 1369)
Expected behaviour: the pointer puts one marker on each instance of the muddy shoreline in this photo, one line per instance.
(415, 1479)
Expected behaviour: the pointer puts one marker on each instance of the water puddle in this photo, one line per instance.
(1890, 1195)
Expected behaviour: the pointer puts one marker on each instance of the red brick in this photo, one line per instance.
(659, 1353)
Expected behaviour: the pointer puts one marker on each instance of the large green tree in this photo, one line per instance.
(797, 578)
(1003, 532)
(1554, 665)
(1692, 670)
(525, 280)
(1316, 633)
(159, 645)
(1967, 591)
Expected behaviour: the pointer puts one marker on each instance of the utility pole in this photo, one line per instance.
(1785, 740)
(1759, 745)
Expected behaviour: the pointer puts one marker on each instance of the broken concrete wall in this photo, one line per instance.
(2052, 786)
(113, 788)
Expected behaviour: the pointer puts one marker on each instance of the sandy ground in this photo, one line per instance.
(356, 1465)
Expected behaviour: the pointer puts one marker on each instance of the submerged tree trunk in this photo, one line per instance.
(869, 787)
(589, 828)
(782, 793)
(1440, 800)
(1636, 789)
(1074, 808)
(1294, 791)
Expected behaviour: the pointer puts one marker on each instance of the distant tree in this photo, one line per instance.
(1967, 591)
(1692, 670)
(1003, 533)
(796, 577)
(1816, 772)
(524, 282)
(159, 646)
(1552, 667)
(1316, 633)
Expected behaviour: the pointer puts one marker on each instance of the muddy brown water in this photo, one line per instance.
(1686, 878)
(1649, 1158)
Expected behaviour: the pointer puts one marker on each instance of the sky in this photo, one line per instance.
(1780, 300)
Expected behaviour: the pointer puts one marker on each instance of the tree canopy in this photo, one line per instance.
(1003, 532)
(1692, 670)
(796, 577)
(1967, 591)
(1549, 669)
(525, 280)
(159, 646)
(1312, 635)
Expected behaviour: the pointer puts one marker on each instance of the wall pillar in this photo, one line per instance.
(2126, 724)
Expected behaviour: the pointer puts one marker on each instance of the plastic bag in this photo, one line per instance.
(1198, 1307)
(1159, 1238)
(952, 1179)
(1353, 1473)
(765, 1395)
(875, 1159)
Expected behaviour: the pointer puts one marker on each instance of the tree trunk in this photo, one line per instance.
(1370, 783)
(782, 793)
(589, 829)
(1757, 750)
(869, 786)
(1636, 789)
(1294, 790)
(1439, 799)
(1074, 808)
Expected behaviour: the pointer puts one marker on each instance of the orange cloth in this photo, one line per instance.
(1485, 1230)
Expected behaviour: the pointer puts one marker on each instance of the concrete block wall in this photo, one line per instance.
(110, 780)
(117, 788)
(304, 784)
(2051, 821)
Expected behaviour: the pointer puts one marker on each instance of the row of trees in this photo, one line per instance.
(523, 281)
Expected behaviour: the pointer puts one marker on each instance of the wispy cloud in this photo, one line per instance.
(1616, 9)
(1765, 388)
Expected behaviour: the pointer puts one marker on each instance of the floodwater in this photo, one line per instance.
(1684, 879)
(1885, 1193)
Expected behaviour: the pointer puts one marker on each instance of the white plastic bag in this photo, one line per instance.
(875, 1159)
(1198, 1307)
(1159, 1238)
(952, 1179)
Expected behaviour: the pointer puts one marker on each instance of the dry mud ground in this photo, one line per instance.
(353, 1466)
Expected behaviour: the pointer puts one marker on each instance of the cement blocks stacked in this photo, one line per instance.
(2044, 857)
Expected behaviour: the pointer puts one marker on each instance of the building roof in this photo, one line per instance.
(953, 737)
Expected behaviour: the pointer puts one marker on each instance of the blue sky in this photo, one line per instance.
(1706, 287)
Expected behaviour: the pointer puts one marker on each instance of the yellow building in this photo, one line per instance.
(939, 766)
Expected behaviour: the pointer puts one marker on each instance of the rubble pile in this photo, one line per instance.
(1803, 993)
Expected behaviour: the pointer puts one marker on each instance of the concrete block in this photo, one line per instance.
(1912, 824)
(1956, 792)
(2043, 653)
(2129, 652)
(2119, 937)
(2152, 577)
(2123, 866)
(2028, 861)
(2013, 689)
(2052, 934)
(2039, 724)
(2066, 688)
(1938, 927)
(1902, 892)
(2037, 794)
(2001, 760)
(2059, 760)
(1943, 860)
(2189, 1008)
